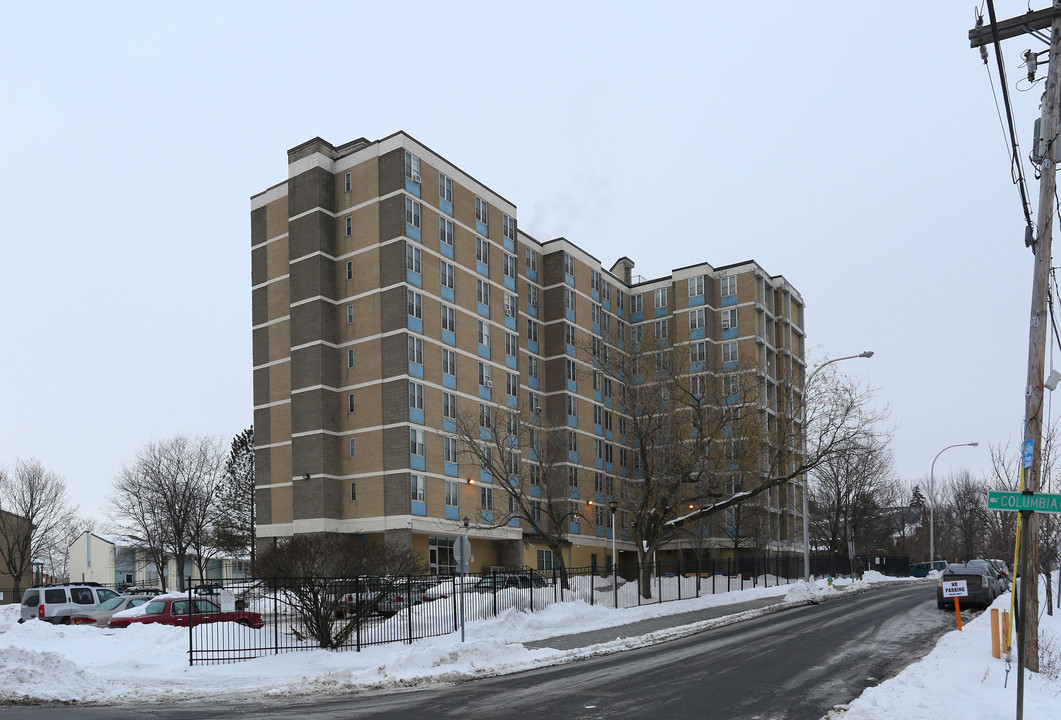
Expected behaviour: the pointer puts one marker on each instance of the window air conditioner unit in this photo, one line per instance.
(415, 178)
(488, 383)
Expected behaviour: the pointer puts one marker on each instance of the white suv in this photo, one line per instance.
(56, 603)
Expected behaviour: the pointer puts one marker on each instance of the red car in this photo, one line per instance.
(173, 610)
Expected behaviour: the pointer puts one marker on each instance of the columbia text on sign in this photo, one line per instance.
(1015, 501)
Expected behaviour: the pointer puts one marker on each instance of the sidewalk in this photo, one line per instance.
(650, 625)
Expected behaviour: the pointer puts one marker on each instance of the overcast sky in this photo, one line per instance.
(854, 148)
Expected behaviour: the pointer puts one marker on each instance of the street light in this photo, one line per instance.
(932, 503)
(613, 506)
(806, 480)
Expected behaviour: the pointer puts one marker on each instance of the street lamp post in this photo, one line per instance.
(806, 480)
(932, 501)
(613, 506)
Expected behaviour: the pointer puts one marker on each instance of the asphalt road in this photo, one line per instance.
(793, 665)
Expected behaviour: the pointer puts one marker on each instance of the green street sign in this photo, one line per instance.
(1015, 501)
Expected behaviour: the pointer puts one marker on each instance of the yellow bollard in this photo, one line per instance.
(1005, 632)
(994, 634)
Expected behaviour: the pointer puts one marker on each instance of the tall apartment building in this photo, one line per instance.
(392, 292)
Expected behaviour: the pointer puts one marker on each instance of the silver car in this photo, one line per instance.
(98, 615)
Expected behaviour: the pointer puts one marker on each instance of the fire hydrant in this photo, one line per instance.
(830, 581)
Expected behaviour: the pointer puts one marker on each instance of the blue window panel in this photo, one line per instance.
(480, 227)
(510, 362)
(607, 305)
(482, 269)
(608, 403)
(536, 490)
(572, 386)
(571, 350)
(412, 186)
(532, 347)
(450, 469)
(639, 474)
(513, 480)
(484, 433)
(448, 295)
(731, 399)
(532, 275)
(569, 279)
(509, 244)
(636, 317)
(512, 401)
(510, 322)
(484, 392)
(488, 517)
(416, 416)
(532, 311)
(609, 468)
(621, 312)
(574, 492)
(595, 294)
(446, 250)
(572, 421)
(729, 366)
(729, 334)
(533, 455)
(449, 425)
(729, 300)
(660, 312)
(608, 435)
(698, 334)
(596, 396)
(695, 432)
(513, 522)
(449, 381)
(696, 300)
(412, 232)
(598, 498)
(452, 513)
(572, 456)
(598, 430)
(418, 508)
(534, 383)
(697, 367)
(596, 328)
(727, 432)
(449, 338)
(416, 324)
(570, 315)
(639, 379)
(598, 463)
(417, 462)
(483, 310)
(601, 532)
(484, 352)
(510, 284)
(485, 476)
(445, 206)
(417, 371)
(625, 535)
(574, 528)
(413, 278)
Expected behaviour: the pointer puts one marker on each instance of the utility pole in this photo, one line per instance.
(1028, 648)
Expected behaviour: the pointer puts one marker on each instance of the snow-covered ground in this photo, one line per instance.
(40, 662)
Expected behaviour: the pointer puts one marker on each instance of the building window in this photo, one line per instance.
(350, 405)
(696, 286)
(509, 265)
(346, 182)
(572, 476)
(448, 318)
(697, 385)
(445, 231)
(416, 350)
(445, 274)
(536, 475)
(729, 285)
(532, 260)
(510, 305)
(534, 402)
(607, 292)
(484, 375)
(353, 447)
(353, 492)
(349, 270)
(482, 250)
(569, 264)
(350, 358)
(482, 292)
(508, 226)
(532, 331)
(452, 493)
(569, 299)
(415, 304)
(598, 449)
(412, 212)
(416, 487)
(569, 333)
(620, 298)
(449, 449)
(412, 258)
(696, 319)
(572, 411)
(449, 405)
(597, 311)
(350, 314)
(729, 318)
(445, 189)
(483, 333)
(536, 516)
(635, 303)
(659, 297)
(660, 329)
(532, 295)
(594, 280)
(349, 226)
(484, 415)
(416, 442)
(512, 384)
(482, 211)
(511, 344)
(416, 396)
(729, 351)
(698, 352)
(571, 372)
(532, 367)
(412, 166)
(486, 498)
(449, 362)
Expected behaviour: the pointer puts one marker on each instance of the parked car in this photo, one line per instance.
(491, 583)
(179, 610)
(981, 582)
(401, 596)
(56, 603)
(98, 615)
(447, 587)
(922, 569)
(1003, 572)
(138, 590)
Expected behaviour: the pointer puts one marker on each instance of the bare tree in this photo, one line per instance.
(34, 513)
(162, 500)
